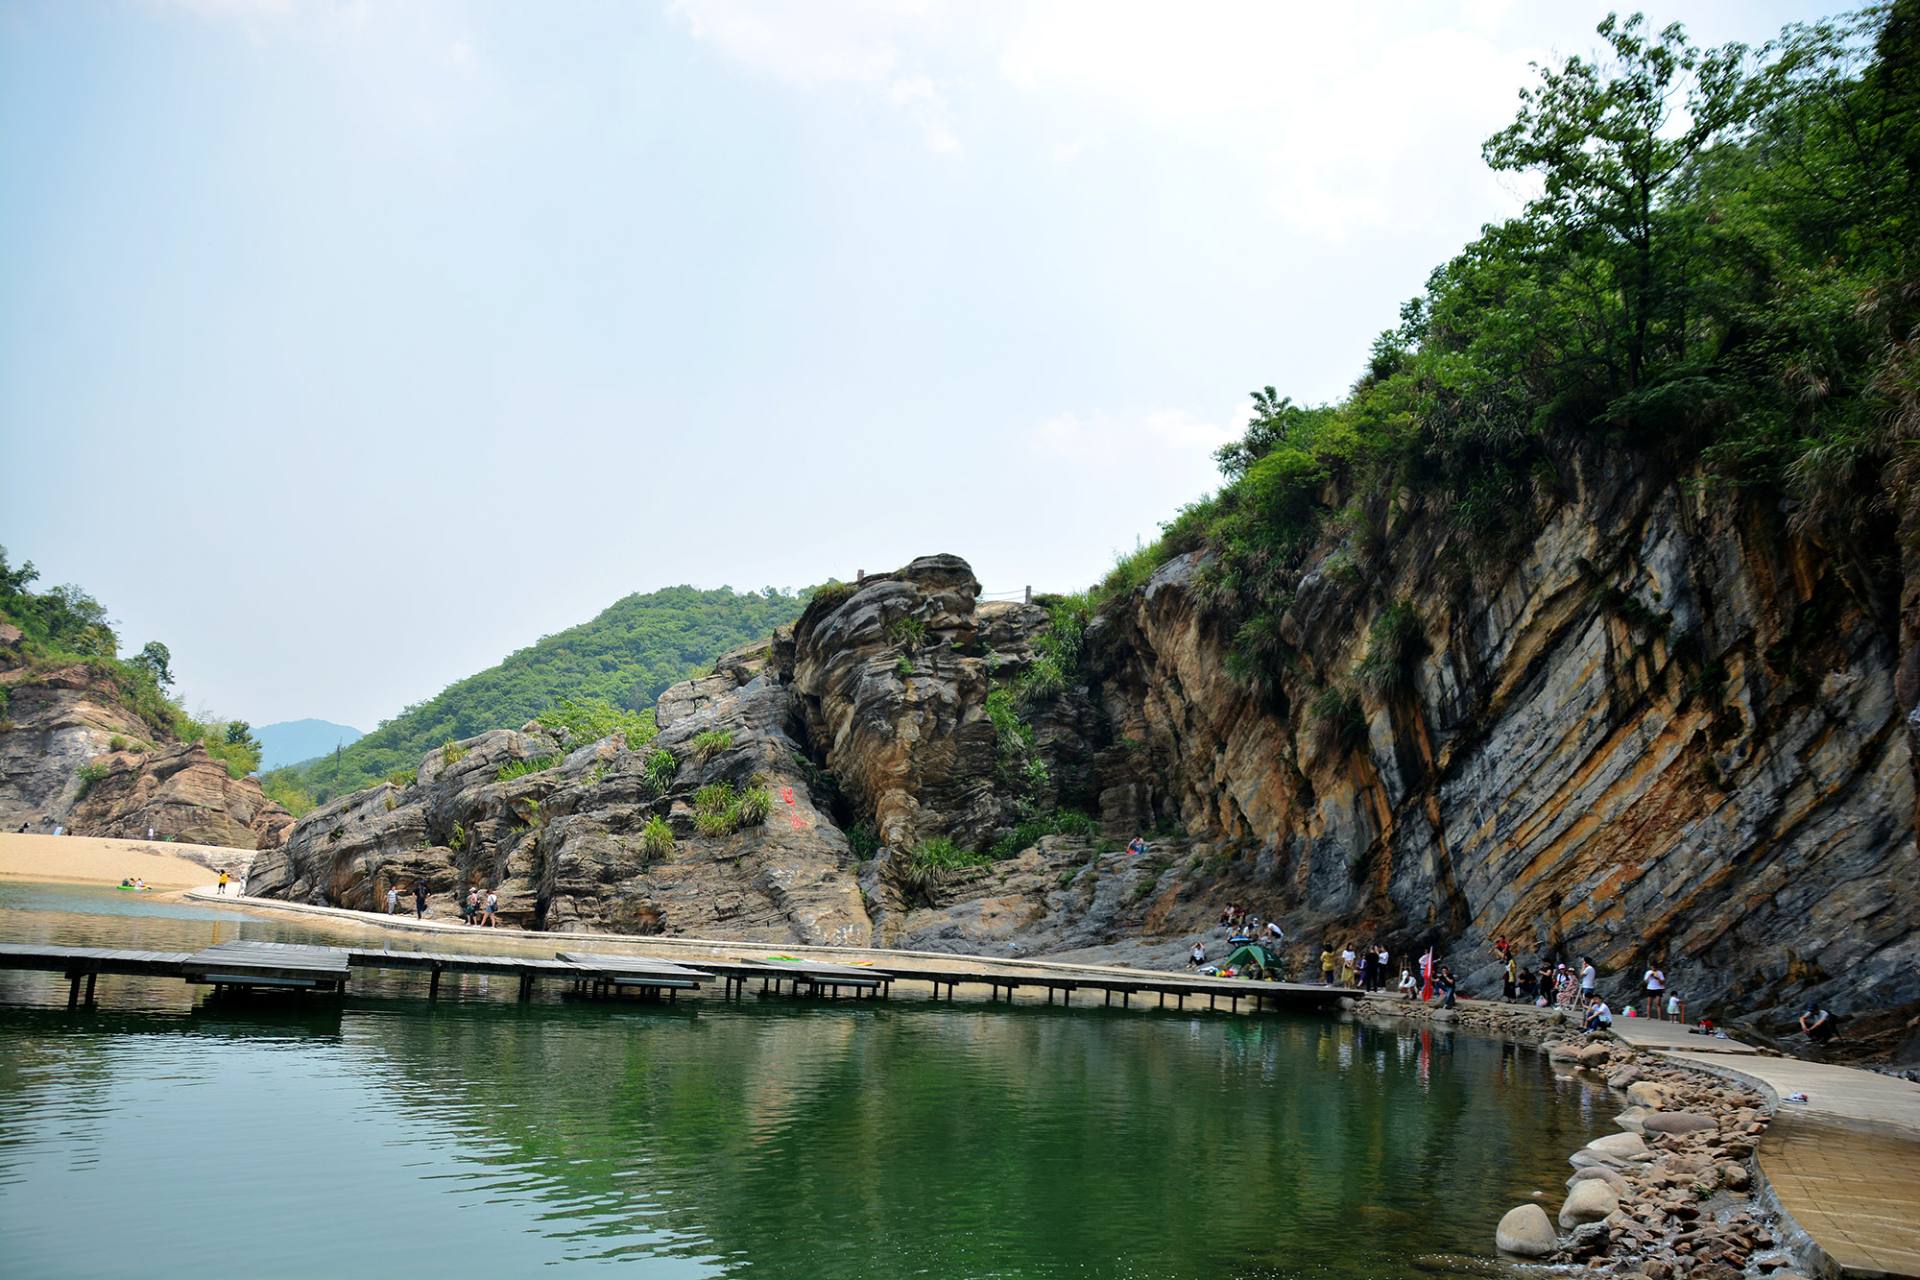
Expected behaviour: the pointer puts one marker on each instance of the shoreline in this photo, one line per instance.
(105, 861)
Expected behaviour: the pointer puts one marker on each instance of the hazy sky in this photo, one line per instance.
(348, 347)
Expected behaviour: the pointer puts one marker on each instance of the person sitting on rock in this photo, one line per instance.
(1599, 1017)
(1197, 956)
(1137, 846)
(1817, 1024)
(1274, 931)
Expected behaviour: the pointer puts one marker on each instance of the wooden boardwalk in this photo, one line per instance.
(265, 966)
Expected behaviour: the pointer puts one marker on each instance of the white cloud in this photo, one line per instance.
(1340, 109)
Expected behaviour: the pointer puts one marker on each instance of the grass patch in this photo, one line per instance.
(451, 752)
(710, 743)
(521, 768)
(908, 632)
(661, 769)
(88, 775)
(656, 839)
(591, 719)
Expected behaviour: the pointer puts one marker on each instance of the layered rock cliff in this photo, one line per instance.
(73, 754)
(1663, 729)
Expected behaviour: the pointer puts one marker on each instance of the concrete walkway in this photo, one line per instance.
(1844, 1164)
(1651, 1034)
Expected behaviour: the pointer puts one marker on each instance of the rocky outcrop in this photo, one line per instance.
(1661, 729)
(178, 793)
(1667, 730)
(73, 754)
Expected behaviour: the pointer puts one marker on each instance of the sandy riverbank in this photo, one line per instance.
(99, 860)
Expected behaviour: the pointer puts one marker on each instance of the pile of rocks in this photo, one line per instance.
(1669, 1196)
(1523, 1023)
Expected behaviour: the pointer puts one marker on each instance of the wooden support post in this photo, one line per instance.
(1236, 1004)
(1049, 993)
(1163, 999)
(526, 987)
(433, 984)
(90, 981)
(1126, 999)
(1108, 1002)
(1213, 998)
(1183, 1001)
(73, 990)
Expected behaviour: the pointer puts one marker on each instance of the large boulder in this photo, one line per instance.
(1677, 1122)
(1648, 1094)
(1526, 1230)
(1588, 1200)
(1624, 1146)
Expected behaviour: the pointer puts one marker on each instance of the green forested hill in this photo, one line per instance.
(626, 657)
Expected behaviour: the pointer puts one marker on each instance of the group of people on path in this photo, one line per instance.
(1363, 968)
(476, 908)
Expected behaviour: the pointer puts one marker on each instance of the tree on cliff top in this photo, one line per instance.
(1722, 272)
(66, 626)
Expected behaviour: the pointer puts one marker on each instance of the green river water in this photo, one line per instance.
(161, 1136)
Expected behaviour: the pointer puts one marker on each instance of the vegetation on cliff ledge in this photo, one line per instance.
(1719, 273)
(66, 627)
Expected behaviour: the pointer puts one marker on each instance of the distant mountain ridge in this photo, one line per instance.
(294, 741)
(627, 655)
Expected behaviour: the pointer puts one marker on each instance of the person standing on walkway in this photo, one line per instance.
(223, 880)
(1656, 982)
(419, 899)
(493, 902)
(1326, 964)
(1587, 980)
(1510, 979)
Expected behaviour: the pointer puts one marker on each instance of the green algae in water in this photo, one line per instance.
(480, 1138)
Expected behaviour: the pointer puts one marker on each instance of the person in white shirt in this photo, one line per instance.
(1587, 978)
(1599, 1018)
(1406, 984)
(1656, 983)
(1197, 956)
(1275, 932)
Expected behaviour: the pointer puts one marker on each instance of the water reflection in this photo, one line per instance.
(486, 1138)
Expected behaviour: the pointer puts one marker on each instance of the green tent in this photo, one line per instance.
(1255, 961)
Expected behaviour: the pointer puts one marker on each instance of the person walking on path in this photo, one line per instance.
(1326, 964)
(1656, 982)
(419, 899)
(223, 880)
(393, 899)
(493, 901)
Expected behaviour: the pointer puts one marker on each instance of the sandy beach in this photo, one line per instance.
(98, 860)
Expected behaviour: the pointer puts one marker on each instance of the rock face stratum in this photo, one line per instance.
(57, 723)
(1664, 730)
